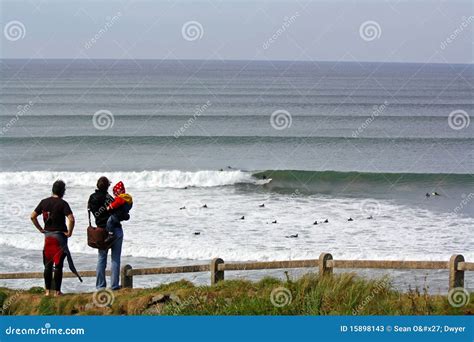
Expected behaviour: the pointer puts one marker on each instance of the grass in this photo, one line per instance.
(344, 294)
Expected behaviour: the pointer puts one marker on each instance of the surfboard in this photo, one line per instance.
(263, 181)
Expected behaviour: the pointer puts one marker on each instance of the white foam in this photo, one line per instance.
(148, 179)
(158, 228)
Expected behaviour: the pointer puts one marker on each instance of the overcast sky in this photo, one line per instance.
(396, 31)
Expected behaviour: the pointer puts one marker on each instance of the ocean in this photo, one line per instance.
(311, 141)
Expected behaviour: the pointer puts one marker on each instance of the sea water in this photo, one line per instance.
(347, 140)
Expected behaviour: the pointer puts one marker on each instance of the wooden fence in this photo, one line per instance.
(456, 266)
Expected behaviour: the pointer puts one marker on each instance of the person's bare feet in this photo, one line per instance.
(46, 293)
(58, 293)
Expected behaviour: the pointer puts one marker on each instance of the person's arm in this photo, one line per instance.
(70, 219)
(70, 225)
(118, 201)
(34, 219)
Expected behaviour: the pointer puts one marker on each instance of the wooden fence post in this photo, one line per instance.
(323, 267)
(127, 280)
(216, 275)
(456, 277)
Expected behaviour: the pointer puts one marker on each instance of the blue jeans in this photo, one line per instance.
(102, 262)
(112, 223)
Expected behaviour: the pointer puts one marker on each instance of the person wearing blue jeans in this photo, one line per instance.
(97, 205)
(116, 250)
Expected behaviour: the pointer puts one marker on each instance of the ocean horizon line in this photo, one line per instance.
(231, 60)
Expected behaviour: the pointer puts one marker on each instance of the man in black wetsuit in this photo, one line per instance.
(55, 210)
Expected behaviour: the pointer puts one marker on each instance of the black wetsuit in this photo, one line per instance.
(54, 211)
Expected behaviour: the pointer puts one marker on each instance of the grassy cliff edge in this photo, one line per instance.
(344, 294)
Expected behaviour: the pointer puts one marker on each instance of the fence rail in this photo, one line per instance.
(326, 264)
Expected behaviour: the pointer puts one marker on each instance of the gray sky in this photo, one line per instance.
(405, 31)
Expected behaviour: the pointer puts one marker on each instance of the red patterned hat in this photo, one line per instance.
(119, 188)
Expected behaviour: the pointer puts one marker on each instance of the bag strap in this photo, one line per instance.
(89, 215)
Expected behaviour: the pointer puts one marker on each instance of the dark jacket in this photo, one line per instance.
(98, 202)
